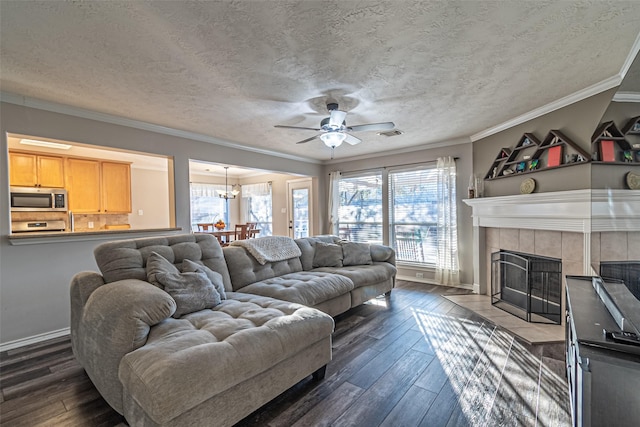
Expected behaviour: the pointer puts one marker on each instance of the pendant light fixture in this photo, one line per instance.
(225, 194)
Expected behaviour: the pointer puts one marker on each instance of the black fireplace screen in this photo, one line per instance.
(527, 286)
(625, 271)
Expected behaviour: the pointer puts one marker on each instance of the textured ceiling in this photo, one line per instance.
(441, 71)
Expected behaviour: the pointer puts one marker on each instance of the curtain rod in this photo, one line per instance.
(395, 166)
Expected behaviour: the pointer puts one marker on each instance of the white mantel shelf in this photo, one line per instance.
(582, 211)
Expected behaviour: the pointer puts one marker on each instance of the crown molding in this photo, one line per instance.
(585, 93)
(626, 97)
(55, 107)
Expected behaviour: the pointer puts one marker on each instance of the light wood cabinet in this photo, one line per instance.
(98, 187)
(83, 185)
(35, 170)
(116, 187)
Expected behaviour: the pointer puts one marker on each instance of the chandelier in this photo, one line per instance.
(225, 194)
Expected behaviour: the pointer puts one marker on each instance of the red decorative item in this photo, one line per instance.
(607, 151)
(554, 156)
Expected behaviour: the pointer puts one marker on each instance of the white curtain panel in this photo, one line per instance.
(334, 202)
(256, 190)
(205, 190)
(447, 266)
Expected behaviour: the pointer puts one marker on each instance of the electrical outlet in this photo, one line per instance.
(90, 224)
(419, 275)
(140, 212)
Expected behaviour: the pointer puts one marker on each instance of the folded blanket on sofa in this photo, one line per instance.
(270, 248)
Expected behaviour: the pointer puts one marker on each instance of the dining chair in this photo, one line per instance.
(250, 227)
(206, 227)
(241, 231)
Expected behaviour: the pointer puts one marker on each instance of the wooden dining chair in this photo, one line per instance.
(205, 227)
(241, 231)
(250, 227)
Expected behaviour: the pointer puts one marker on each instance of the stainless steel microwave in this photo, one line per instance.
(33, 199)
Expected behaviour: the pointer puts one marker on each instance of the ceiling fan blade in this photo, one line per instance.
(337, 118)
(295, 127)
(308, 139)
(350, 139)
(372, 126)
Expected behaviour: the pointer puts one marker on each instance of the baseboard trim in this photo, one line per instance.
(433, 282)
(34, 339)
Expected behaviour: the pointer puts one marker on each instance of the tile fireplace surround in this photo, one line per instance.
(580, 227)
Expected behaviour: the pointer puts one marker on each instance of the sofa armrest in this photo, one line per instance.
(381, 253)
(116, 320)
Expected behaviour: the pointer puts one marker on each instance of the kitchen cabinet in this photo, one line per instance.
(116, 187)
(83, 185)
(98, 186)
(35, 170)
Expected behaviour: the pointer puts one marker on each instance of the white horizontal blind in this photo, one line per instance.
(206, 206)
(259, 206)
(413, 214)
(360, 208)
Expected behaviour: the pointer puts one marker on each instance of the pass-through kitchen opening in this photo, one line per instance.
(68, 187)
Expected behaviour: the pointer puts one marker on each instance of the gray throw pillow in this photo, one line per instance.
(156, 264)
(327, 255)
(356, 253)
(191, 291)
(189, 266)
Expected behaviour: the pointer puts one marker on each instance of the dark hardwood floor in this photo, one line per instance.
(414, 359)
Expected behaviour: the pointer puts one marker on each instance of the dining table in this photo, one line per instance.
(225, 236)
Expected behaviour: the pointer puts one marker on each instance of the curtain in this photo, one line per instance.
(334, 201)
(256, 190)
(205, 190)
(447, 267)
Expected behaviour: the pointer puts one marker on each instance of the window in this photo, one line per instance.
(360, 208)
(257, 199)
(413, 214)
(206, 205)
(407, 219)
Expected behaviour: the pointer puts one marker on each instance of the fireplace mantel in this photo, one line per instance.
(584, 211)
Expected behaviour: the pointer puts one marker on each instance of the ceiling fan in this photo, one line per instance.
(334, 129)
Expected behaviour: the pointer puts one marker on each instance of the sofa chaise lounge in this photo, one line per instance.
(160, 358)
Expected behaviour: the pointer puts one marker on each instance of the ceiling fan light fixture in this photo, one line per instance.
(333, 139)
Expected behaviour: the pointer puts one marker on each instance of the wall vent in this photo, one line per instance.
(394, 132)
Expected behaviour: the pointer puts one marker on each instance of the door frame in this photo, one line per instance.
(297, 184)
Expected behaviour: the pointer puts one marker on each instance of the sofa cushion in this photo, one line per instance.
(191, 291)
(362, 275)
(157, 264)
(355, 253)
(126, 259)
(244, 269)
(327, 255)
(187, 361)
(214, 277)
(304, 287)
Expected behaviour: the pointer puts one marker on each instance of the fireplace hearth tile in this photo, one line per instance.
(613, 246)
(532, 333)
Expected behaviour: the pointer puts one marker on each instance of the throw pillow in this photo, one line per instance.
(189, 266)
(191, 291)
(356, 253)
(327, 255)
(156, 264)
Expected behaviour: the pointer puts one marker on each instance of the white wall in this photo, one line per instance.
(149, 193)
(34, 279)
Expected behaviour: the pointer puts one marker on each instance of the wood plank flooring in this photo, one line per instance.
(414, 359)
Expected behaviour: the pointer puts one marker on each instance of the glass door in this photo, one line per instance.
(300, 210)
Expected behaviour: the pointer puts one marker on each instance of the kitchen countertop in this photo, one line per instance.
(32, 238)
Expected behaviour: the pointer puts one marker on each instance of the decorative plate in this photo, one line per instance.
(527, 186)
(633, 181)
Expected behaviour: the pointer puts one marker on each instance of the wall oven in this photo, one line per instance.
(33, 199)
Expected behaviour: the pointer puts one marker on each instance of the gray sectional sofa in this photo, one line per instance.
(177, 331)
